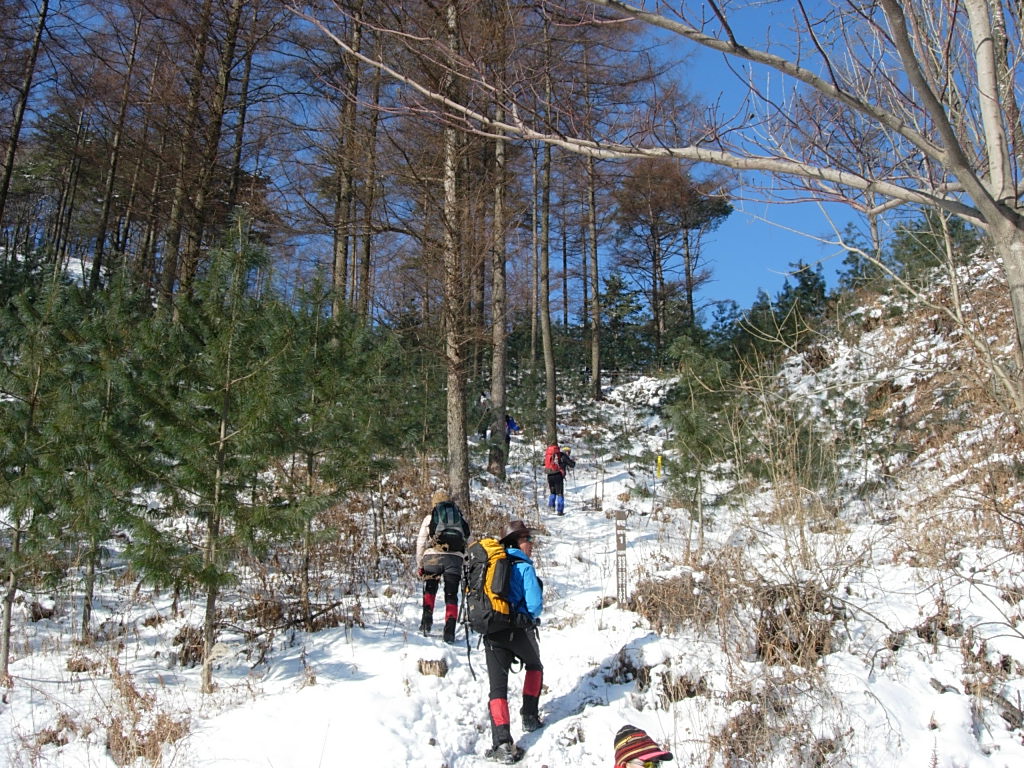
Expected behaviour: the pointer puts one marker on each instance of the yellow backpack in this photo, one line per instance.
(485, 586)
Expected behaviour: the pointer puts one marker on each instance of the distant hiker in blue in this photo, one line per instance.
(526, 596)
(511, 428)
(440, 548)
(557, 462)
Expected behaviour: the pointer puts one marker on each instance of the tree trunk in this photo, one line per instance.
(343, 275)
(1008, 240)
(595, 283)
(210, 612)
(535, 253)
(544, 289)
(214, 134)
(20, 106)
(243, 112)
(689, 276)
(89, 588)
(550, 385)
(68, 193)
(454, 296)
(565, 273)
(304, 581)
(210, 553)
(497, 454)
(112, 163)
(146, 258)
(11, 588)
(369, 201)
(172, 244)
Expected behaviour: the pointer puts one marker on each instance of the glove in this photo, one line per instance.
(419, 572)
(525, 621)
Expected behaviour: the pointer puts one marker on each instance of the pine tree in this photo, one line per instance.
(798, 306)
(758, 332)
(625, 342)
(29, 385)
(919, 246)
(340, 427)
(97, 460)
(859, 272)
(700, 414)
(212, 399)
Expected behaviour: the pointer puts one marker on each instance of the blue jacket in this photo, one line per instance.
(524, 588)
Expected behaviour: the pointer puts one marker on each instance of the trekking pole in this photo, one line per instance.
(469, 658)
(533, 464)
(654, 487)
(465, 619)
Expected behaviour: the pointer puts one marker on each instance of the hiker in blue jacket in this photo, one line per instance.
(526, 596)
(511, 428)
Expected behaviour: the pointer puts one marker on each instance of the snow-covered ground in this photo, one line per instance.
(888, 687)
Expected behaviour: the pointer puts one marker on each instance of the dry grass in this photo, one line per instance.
(83, 664)
(190, 638)
(436, 667)
(792, 623)
(127, 742)
(134, 728)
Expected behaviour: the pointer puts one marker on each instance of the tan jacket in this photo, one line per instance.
(424, 543)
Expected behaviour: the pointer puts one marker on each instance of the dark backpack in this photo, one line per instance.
(485, 587)
(448, 527)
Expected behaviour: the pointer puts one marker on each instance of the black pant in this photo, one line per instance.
(556, 483)
(500, 650)
(451, 595)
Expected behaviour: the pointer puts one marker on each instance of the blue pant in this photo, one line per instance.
(556, 484)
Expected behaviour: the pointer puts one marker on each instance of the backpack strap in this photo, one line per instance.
(512, 560)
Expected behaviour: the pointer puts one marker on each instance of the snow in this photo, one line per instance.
(890, 691)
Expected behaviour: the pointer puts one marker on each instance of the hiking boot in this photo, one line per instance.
(449, 631)
(531, 723)
(506, 753)
(426, 622)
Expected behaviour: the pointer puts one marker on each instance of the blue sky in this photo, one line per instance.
(754, 247)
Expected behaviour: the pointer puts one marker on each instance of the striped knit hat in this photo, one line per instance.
(633, 744)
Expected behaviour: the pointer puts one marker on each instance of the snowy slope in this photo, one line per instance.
(901, 645)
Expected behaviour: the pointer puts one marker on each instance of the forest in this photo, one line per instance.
(252, 252)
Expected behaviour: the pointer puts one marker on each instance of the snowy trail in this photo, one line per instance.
(341, 696)
(369, 690)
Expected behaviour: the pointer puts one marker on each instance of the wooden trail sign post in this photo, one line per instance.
(620, 558)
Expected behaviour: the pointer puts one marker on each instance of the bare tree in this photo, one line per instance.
(454, 286)
(114, 156)
(212, 141)
(187, 139)
(21, 102)
(933, 78)
(663, 213)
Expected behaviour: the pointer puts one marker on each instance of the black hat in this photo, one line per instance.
(514, 531)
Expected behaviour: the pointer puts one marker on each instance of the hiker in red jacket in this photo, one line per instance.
(557, 462)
